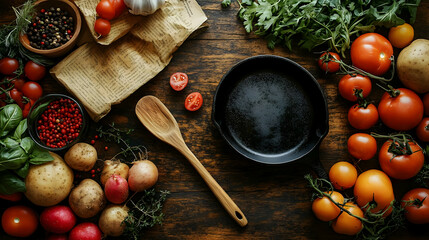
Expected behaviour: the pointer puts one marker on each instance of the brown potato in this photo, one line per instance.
(87, 199)
(111, 219)
(113, 167)
(49, 183)
(81, 157)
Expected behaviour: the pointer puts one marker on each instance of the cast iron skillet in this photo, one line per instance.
(271, 110)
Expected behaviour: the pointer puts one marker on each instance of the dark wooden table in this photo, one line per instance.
(275, 199)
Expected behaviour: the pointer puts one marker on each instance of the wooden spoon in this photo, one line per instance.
(160, 122)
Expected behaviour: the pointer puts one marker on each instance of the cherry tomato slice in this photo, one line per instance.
(193, 101)
(178, 81)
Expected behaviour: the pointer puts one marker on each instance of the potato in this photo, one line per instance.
(81, 157)
(113, 167)
(111, 219)
(49, 183)
(87, 199)
(413, 66)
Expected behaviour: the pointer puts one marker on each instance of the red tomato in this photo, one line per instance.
(326, 62)
(178, 81)
(19, 221)
(105, 9)
(14, 197)
(85, 231)
(27, 107)
(119, 6)
(374, 186)
(347, 224)
(18, 83)
(193, 101)
(102, 26)
(57, 219)
(8, 66)
(403, 111)
(32, 90)
(57, 237)
(417, 211)
(372, 53)
(401, 166)
(325, 209)
(348, 86)
(363, 118)
(426, 103)
(362, 146)
(17, 97)
(422, 130)
(34, 71)
(342, 175)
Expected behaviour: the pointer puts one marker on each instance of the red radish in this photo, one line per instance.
(116, 189)
(142, 175)
(57, 237)
(85, 231)
(57, 219)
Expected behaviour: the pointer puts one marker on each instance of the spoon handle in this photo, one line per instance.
(218, 191)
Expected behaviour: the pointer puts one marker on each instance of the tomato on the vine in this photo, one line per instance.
(8, 65)
(327, 64)
(361, 117)
(401, 165)
(178, 81)
(34, 71)
(426, 103)
(27, 107)
(416, 203)
(401, 36)
(343, 175)
(400, 109)
(194, 101)
(105, 9)
(374, 187)
(422, 130)
(362, 146)
(325, 209)
(18, 83)
(102, 26)
(119, 6)
(372, 53)
(19, 221)
(349, 86)
(32, 90)
(347, 224)
(17, 97)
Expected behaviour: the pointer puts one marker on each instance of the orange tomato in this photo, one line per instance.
(401, 36)
(347, 224)
(326, 210)
(362, 146)
(374, 186)
(19, 221)
(342, 175)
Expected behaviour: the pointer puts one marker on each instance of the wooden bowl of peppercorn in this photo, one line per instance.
(54, 30)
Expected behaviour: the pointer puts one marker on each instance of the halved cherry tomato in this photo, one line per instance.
(8, 65)
(372, 53)
(105, 9)
(34, 71)
(325, 209)
(417, 211)
(17, 97)
(347, 224)
(362, 146)
(426, 103)
(401, 36)
(374, 187)
(19, 221)
(349, 85)
(102, 26)
(343, 175)
(32, 90)
(326, 62)
(403, 111)
(119, 6)
(401, 166)
(422, 130)
(194, 101)
(178, 81)
(363, 118)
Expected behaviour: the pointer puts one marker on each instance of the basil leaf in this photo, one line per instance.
(22, 172)
(10, 117)
(27, 144)
(12, 158)
(39, 109)
(22, 127)
(9, 142)
(10, 183)
(40, 156)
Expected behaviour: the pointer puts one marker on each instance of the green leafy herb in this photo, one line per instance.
(10, 117)
(311, 23)
(10, 183)
(22, 127)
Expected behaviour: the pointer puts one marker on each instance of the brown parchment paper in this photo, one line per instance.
(102, 75)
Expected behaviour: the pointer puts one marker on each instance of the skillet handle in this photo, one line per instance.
(316, 165)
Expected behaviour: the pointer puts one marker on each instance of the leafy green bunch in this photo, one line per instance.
(311, 23)
(17, 151)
